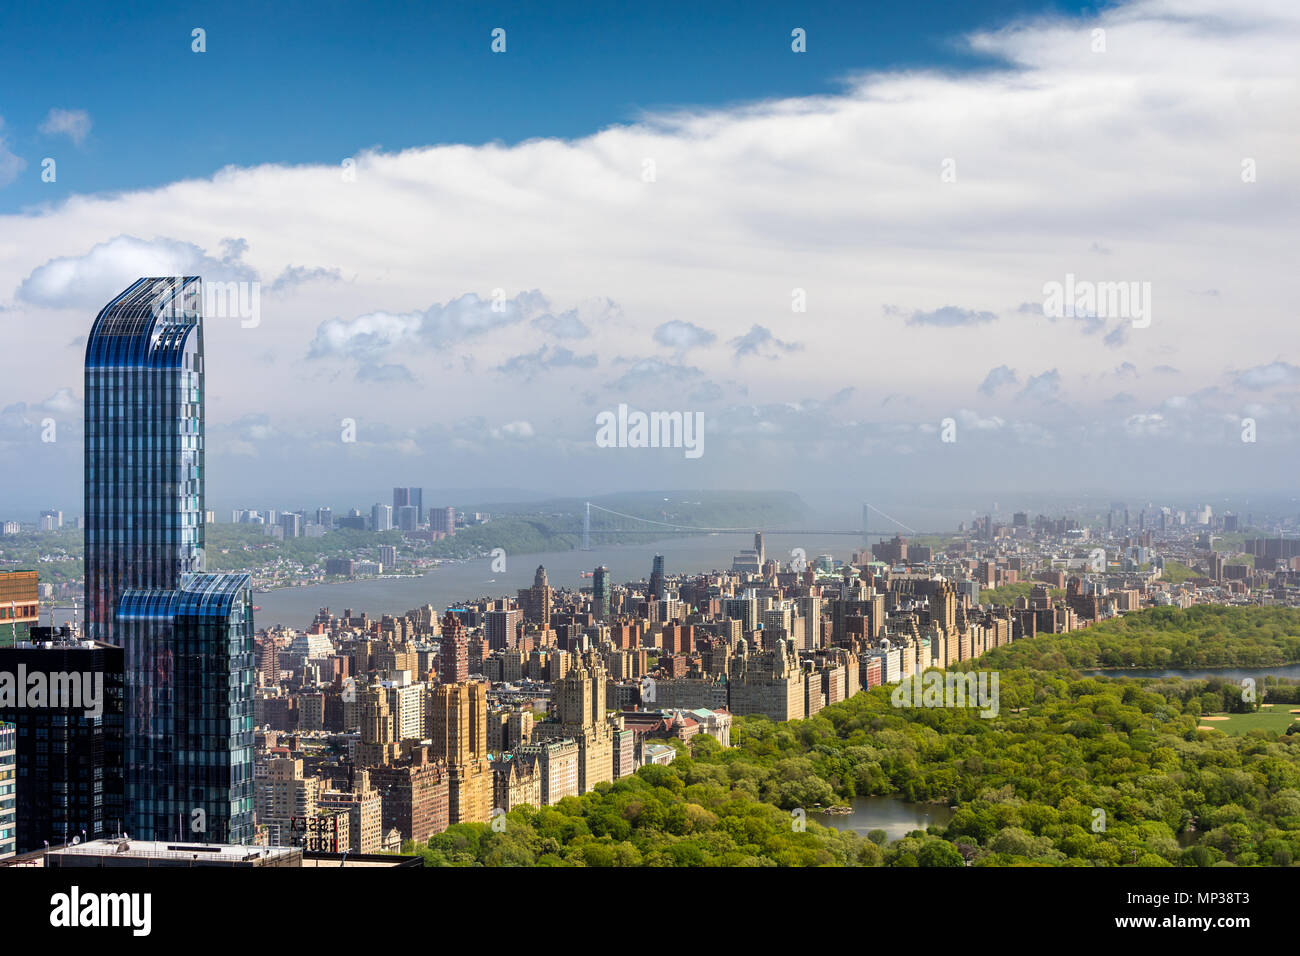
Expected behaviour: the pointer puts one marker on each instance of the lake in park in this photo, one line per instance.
(895, 816)
(1199, 673)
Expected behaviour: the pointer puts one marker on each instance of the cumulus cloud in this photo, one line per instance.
(464, 317)
(949, 316)
(997, 377)
(90, 280)
(294, 276)
(971, 419)
(1117, 336)
(63, 402)
(74, 124)
(1042, 388)
(683, 336)
(514, 431)
(759, 340)
(566, 325)
(546, 358)
(1146, 425)
(705, 392)
(644, 371)
(1050, 130)
(1272, 375)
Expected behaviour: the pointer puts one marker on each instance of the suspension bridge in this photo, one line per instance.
(598, 520)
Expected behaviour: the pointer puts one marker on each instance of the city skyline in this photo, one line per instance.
(743, 436)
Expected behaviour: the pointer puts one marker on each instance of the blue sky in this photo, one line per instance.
(842, 258)
(298, 83)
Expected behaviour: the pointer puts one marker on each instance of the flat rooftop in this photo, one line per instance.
(162, 850)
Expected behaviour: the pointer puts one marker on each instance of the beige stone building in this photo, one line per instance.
(364, 808)
(767, 682)
(283, 795)
(458, 728)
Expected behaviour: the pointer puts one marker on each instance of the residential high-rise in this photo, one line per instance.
(536, 601)
(19, 602)
(453, 651)
(442, 519)
(743, 609)
(458, 723)
(364, 809)
(69, 756)
(600, 593)
(8, 790)
(284, 798)
(416, 795)
(500, 626)
(657, 589)
(292, 524)
(187, 636)
(407, 518)
(943, 607)
(767, 682)
(144, 444)
(810, 608)
(381, 517)
(579, 702)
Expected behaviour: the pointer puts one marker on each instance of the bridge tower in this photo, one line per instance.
(586, 529)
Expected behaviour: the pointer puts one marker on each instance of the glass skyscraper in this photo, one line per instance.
(144, 444)
(187, 636)
(658, 590)
(414, 497)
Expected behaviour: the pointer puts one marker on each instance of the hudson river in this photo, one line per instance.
(467, 580)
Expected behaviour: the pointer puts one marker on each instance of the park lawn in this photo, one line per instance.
(1275, 718)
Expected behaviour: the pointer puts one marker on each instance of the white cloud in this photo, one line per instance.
(683, 336)
(1272, 375)
(514, 431)
(1136, 150)
(88, 280)
(74, 124)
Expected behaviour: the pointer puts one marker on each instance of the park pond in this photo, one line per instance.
(1197, 673)
(894, 815)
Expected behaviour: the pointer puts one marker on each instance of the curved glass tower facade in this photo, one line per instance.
(144, 444)
(187, 636)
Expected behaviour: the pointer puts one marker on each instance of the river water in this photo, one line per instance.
(463, 581)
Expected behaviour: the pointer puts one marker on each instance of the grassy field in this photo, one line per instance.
(1275, 718)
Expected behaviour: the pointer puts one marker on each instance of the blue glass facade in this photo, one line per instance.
(187, 636)
(144, 444)
(189, 742)
(8, 793)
